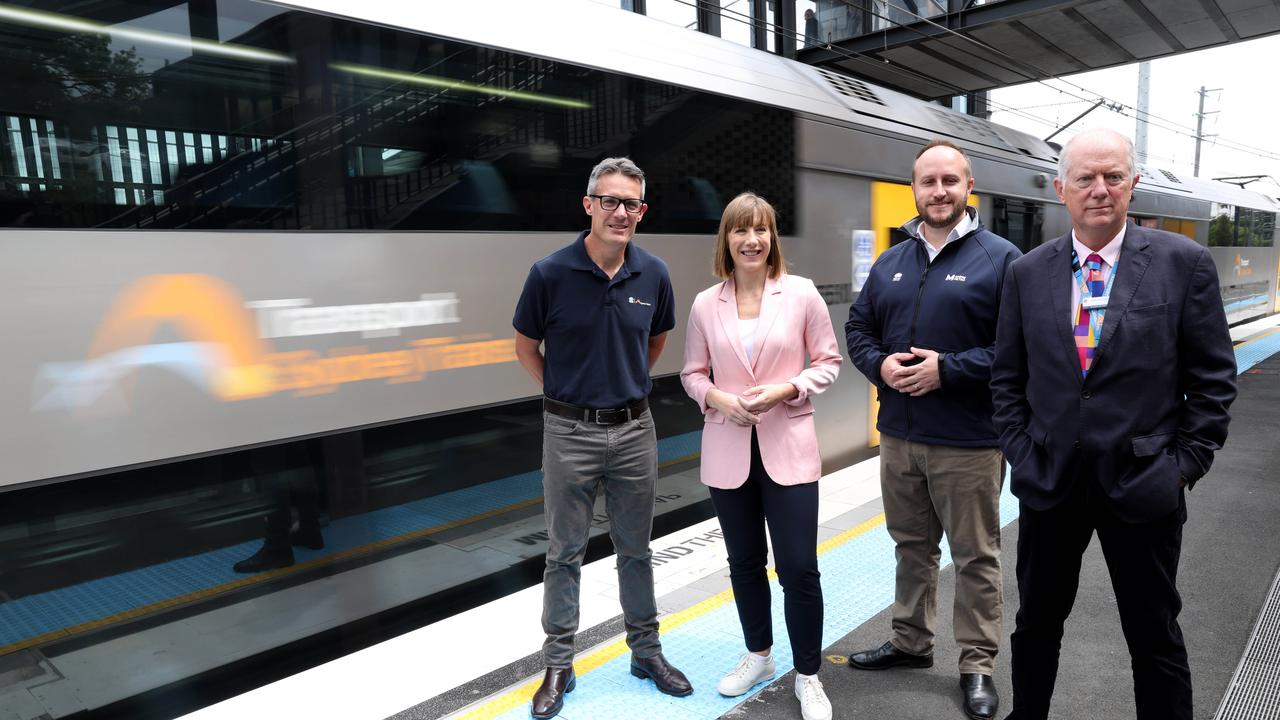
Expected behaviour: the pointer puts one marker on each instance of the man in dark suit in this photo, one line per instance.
(1112, 377)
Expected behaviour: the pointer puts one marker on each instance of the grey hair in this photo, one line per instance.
(1130, 154)
(609, 166)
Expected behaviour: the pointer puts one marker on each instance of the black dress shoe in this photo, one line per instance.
(270, 557)
(980, 697)
(307, 537)
(668, 679)
(549, 699)
(886, 656)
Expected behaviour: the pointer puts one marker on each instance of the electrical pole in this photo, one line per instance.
(1200, 124)
(1144, 94)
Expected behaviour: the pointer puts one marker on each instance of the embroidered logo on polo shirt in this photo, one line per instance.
(638, 301)
(897, 277)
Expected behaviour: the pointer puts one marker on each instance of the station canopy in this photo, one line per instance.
(939, 48)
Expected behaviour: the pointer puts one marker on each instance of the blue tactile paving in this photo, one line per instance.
(201, 575)
(1253, 352)
(857, 583)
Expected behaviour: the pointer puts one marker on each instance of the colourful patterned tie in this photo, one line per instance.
(1086, 340)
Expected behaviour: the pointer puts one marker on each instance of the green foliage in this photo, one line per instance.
(53, 77)
(1222, 231)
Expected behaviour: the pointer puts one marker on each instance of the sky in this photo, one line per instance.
(1245, 102)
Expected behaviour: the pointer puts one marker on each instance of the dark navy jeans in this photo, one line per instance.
(791, 513)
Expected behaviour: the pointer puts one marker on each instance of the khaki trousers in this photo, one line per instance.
(929, 490)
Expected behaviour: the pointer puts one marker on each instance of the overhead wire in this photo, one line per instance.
(1043, 76)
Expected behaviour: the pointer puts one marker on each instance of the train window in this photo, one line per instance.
(1246, 299)
(1018, 222)
(1222, 227)
(1233, 226)
(1266, 229)
(1256, 228)
(453, 500)
(281, 119)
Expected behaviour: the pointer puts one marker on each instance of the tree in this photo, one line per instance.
(72, 71)
(1222, 231)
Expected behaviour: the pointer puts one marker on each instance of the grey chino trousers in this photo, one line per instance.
(578, 459)
(929, 490)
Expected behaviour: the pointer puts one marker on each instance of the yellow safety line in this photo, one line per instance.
(209, 593)
(599, 656)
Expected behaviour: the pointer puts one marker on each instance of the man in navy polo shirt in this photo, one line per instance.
(602, 307)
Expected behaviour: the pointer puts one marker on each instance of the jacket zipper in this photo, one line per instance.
(915, 317)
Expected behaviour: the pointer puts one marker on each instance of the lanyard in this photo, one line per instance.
(1096, 314)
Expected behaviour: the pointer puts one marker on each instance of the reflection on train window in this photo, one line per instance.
(1234, 226)
(88, 560)
(1245, 299)
(1018, 222)
(284, 120)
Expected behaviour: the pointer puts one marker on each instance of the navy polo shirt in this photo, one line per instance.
(595, 330)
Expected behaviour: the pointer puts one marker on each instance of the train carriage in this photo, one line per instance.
(262, 259)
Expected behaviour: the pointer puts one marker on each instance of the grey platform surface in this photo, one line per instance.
(1230, 554)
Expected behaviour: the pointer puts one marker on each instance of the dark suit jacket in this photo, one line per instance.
(1154, 406)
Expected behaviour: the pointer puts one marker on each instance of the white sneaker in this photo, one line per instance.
(751, 669)
(814, 704)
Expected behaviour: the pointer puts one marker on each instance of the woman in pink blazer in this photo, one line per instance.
(744, 364)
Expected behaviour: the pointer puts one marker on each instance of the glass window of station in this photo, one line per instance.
(833, 21)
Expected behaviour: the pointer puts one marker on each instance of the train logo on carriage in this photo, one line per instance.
(199, 328)
(1242, 266)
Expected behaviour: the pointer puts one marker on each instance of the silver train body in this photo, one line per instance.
(150, 342)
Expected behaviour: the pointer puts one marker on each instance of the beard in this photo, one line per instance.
(949, 220)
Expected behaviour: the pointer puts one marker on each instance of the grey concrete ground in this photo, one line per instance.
(1231, 549)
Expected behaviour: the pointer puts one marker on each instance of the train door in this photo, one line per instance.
(1018, 221)
(892, 205)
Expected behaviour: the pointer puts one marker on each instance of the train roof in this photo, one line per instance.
(596, 35)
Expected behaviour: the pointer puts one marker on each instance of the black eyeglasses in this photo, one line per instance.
(610, 203)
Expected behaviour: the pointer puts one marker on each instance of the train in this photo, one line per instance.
(263, 259)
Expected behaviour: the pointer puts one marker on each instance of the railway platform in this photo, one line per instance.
(485, 663)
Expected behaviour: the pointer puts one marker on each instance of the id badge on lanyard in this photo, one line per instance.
(1096, 305)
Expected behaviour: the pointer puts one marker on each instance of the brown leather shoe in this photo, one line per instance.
(668, 679)
(549, 699)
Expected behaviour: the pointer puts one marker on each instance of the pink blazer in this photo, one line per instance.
(793, 321)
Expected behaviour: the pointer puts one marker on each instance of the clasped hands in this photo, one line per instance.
(746, 409)
(914, 380)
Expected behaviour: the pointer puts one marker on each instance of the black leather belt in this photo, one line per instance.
(608, 416)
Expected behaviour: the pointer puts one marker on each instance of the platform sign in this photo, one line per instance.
(864, 254)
